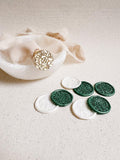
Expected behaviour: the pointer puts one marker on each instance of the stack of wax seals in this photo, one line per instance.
(82, 108)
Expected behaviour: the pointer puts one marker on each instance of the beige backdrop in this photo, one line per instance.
(28, 135)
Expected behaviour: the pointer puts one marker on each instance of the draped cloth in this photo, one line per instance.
(16, 52)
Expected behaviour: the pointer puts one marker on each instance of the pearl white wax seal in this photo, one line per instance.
(70, 82)
(81, 110)
(43, 104)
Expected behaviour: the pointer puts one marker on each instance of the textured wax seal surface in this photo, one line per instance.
(104, 89)
(70, 82)
(61, 97)
(99, 104)
(44, 105)
(43, 59)
(81, 110)
(85, 89)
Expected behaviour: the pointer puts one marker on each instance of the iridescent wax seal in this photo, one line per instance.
(43, 59)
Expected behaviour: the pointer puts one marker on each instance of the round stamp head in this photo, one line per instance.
(61, 97)
(99, 104)
(104, 89)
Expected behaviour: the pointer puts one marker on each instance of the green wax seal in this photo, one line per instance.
(104, 89)
(99, 104)
(61, 97)
(85, 89)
